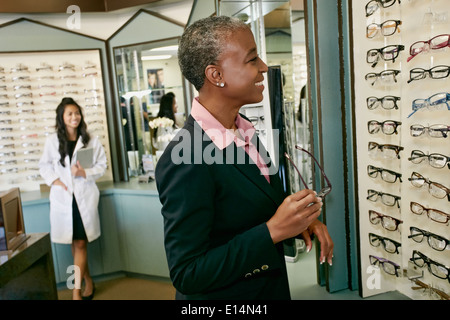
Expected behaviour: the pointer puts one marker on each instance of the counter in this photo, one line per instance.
(132, 238)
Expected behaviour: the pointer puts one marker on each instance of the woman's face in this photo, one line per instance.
(174, 106)
(71, 116)
(242, 69)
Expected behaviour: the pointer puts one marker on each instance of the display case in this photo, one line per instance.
(32, 85)
(402, 121)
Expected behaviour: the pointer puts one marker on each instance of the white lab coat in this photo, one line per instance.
(85, 190)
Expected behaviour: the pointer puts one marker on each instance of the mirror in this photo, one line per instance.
(145, 73)
(283, 44)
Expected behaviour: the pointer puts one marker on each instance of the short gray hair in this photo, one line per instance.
(202, 43)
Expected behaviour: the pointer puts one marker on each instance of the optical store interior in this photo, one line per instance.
(362, 85)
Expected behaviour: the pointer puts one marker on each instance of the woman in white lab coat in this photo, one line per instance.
(74, 196)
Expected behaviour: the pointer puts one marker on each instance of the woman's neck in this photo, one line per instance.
(71, 134)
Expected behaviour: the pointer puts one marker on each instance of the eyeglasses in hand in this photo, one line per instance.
(325, 190)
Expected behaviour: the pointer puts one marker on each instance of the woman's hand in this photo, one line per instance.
(326, 243)
(297, 212)
(58, 182)
(78, 170)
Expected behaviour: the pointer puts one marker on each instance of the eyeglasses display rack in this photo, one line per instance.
(32, 85)
(401, 67)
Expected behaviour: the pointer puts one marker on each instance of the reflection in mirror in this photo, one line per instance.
(145, 74)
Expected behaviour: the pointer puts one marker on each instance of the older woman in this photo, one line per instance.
(225, 215)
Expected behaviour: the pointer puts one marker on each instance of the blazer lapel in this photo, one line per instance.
(252, 172)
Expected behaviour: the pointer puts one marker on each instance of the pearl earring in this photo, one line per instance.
(222, 84)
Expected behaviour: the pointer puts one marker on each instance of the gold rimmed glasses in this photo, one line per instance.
(325, 190)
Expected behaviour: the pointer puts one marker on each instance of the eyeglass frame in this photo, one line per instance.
(381, 124)
(382, 241)
(428, 262)
(396, 148)
(426, 102)
(378, 2)
(381, 74)
(429, 235)
(424, 72)
(442, 130)
(378, 193)
(380, 170)
(380, 53)
(380, 26)
(412, 55)
(428, 212)
(429, 182)
(382, 261)
(385, 98)
(325, 190)
(380, 216)
(428, 156)
(421, 285)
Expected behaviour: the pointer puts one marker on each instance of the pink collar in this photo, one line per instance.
(221, 136)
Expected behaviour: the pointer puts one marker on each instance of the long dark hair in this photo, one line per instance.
(166, 106)
(61, 128)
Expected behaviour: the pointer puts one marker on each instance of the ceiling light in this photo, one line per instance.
(160, 57)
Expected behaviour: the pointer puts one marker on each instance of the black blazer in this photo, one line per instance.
(216, 240)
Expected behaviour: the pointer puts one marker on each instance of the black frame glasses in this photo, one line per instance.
(388, 266)
(386, 102)
(437, 72)
(387, 28)
(385, 174)
(436, 189)
(436, 160)
(386, 198)
(386, 149)
(387, 127)
(434, 131)
(389, 245)
(436, 269)
(387, 222)
(437, 42)
(325, 190)
(435, 241)
(387, 53)
(374, 5)
(386, 76)
(433, 214)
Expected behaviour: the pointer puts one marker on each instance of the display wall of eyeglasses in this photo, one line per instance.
(32, 85)
(401, 54)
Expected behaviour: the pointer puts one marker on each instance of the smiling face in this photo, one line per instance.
(72, 117)
(242, 69)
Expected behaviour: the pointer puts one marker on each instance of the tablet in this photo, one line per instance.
(86, 157)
